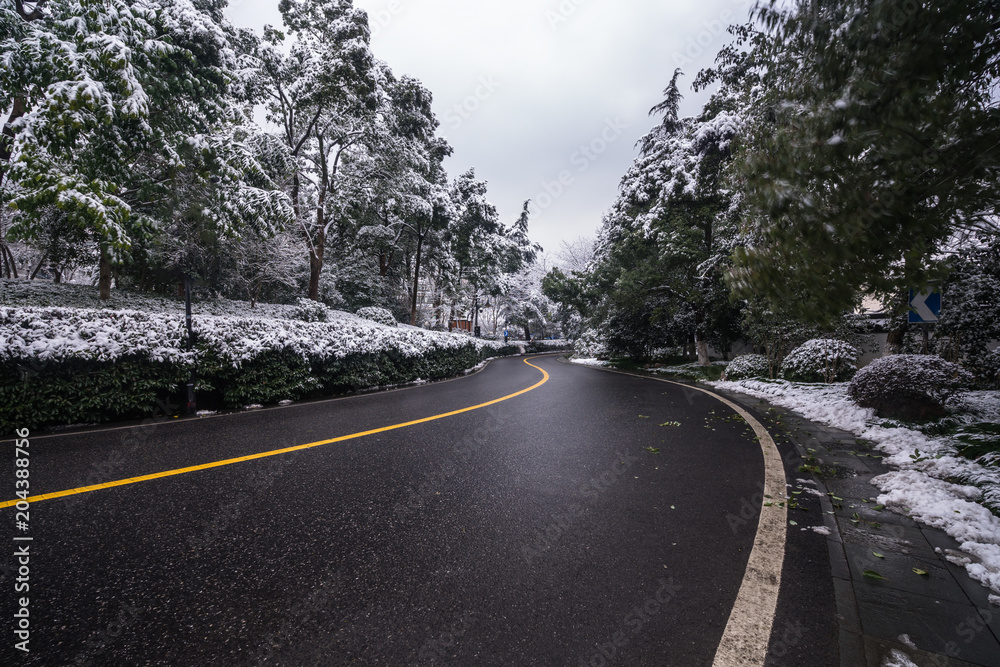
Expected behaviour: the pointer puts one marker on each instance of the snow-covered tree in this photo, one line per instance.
(883, 142)
(115, 107)
(664, 245)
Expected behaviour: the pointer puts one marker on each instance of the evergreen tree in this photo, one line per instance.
(885, 141)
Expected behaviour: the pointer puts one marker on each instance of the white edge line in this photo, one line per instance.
(748, 631)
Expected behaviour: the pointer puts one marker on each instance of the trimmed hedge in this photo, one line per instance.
(380, 315)
(745, 367)
(74, 391)
(39, 394)
(821, 360)
(908, 387)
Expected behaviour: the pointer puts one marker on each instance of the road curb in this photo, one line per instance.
(869, 636)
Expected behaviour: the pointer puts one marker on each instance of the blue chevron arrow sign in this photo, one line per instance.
(925, 307)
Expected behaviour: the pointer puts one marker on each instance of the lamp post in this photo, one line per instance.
(191, 405)
(476, 315)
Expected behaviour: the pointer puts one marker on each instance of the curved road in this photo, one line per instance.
(591, 520)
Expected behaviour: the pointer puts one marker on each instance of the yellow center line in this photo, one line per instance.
(278, 452)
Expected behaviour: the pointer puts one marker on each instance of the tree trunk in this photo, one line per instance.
(7, 259)
(318, 248)
(316, 264)
(295, 194)
(700, 344)
(104, 281)
(527, 334)
(701, 348)
(894, 340)
(416, 281)
(18, 109)
(384, 263)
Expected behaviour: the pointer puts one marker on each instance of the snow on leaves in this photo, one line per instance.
(55, 334)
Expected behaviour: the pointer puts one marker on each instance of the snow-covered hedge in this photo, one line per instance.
(990, 368)
(545, 345)
(821, 360)
(65, 365)
(591, 345)
(746, 366)
(380, 315)
(910, 387)
(308, 310)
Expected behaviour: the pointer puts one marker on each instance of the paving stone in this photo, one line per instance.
(935, 626)
(945, 613)
(978, 594)
(891, 537)
(879, 650)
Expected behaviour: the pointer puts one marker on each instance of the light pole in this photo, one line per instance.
(191, 405)
(476, 315)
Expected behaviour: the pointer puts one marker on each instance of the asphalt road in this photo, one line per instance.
(540, 530)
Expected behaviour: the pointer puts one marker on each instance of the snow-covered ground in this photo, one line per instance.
(590, 362)
(932, 483)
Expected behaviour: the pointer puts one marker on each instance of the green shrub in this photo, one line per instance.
(82, 391)
(747, 366)
(380, 315)
(908, 387)
(821, 360)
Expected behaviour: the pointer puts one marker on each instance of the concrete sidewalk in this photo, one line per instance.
(942, 618)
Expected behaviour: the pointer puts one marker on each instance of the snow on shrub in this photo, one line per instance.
(746, 366)
(909, 387)
(590, 345)
(989, 370)
(59, 334)
(821, 360)
(380, 315)
(66, 365)
(308, 310)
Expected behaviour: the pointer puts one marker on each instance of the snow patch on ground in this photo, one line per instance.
(898, 659)
(919, 487)
(590, 362)
(822, 530)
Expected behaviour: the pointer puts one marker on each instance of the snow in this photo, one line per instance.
(822, 530)
(898, 659)
(590, 362)
(154, 328)
(923, 484)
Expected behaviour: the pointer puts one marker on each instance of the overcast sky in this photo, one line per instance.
(545, 98)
